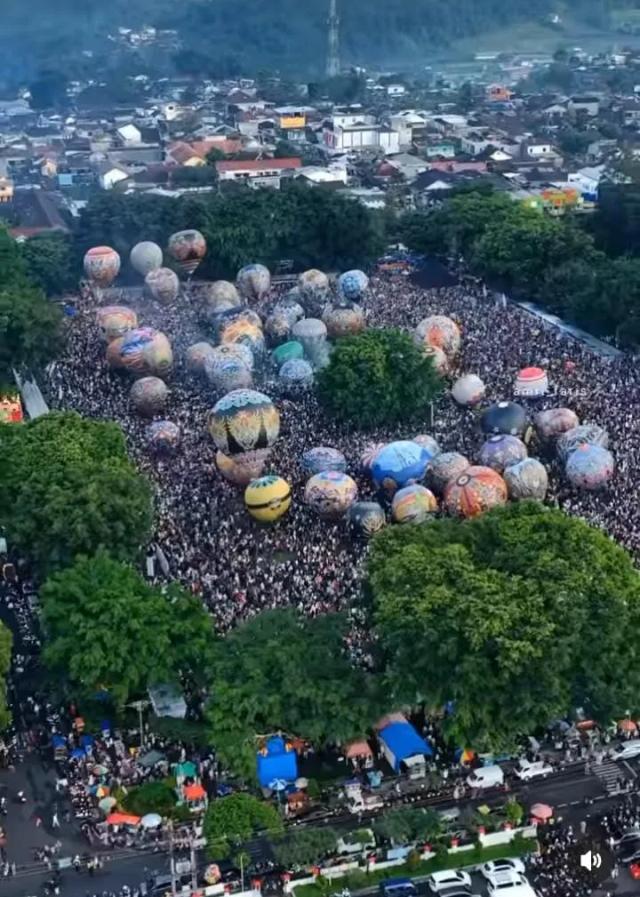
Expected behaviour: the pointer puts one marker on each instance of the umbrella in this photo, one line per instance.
(542, 812)
(278, 785)
(302, 782)
(102, 791)
(627, 725)
(107, 804)
(151, 820)
(78, 753)
(100, 770)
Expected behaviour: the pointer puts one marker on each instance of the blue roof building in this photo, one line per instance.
(400, 742)
(276, 764)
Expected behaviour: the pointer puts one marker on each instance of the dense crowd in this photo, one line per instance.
(203, 536)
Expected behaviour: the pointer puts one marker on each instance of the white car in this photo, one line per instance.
(509, 884)
(494, 867)
(449, 878)
(526, 770)
(627, 750)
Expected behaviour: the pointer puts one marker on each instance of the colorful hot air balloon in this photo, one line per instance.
(145, 257)
(268, 498)
(254, 281)
(330, 494)
(366, 518)
(313, 284)
(312, 333)
(115, 321)
(476, 490)
(468, 390)
(321, 458)
(504, 417)
(187, 248)
(344, 320)
(244, 420)
(101, 265)
(527, 479)
(399, 464)
(555, 421)
(242, 469)
(502, 450)
(149, 395)
(295, 377)
(531, 383)
(441, 332)
(590, 466)
(163, 436)
(413, 504)
(445, 467)
(198, 356)
(142, 351)
(584, 434)
(352, 284)
(162, 284)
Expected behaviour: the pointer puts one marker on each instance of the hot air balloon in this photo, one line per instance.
(413, 504)
(476, 490)
(229, 375)
(242, 326)
(295, 377)
(242, 469)
(268, 498)
(352, 285)
(369, 454)
(321, 458)
(366, 518)
(163, 436)
(504, 417)
(145, 257)
(313, 284)
(344, 320)
(287, 352)
(231, 350)
(445, 467)
(143, 351)
(254, 281)
(330, 494)
(531, 383)
(162, 284)
(500, 451)
(590, 466)
(440, 332)
(468, 390)
(115, 321)
(244, 420)
(101, 265)
(590, 434)
(289, 307)
(312, 333)
(399, 464)
(427, 442)
(198, 356)
(555, 421)
(527, 479)
(277, 328)
(149, 395)
(219, 296)
(187, 248)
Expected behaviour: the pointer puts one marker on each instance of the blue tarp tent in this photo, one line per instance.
(58, 741)
(401, 741)
(276, 765)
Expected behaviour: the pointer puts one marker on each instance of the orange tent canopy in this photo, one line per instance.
(194, 792)
(358, 749)
(122, 819)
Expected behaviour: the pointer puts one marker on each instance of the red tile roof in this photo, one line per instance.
(257, 164)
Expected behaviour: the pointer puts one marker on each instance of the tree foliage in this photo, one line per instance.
(49, 262)
(282, 671)
(546, 259)
(108, 630)
(29, 325)
(67, 487)
(6, 643)
(513, 616)
(377, 377)
(301, 847)
(232, 820)
(150, 797)
(312, 227)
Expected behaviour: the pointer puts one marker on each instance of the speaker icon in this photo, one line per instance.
(590, 860)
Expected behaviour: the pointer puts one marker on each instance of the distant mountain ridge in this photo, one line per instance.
(286, 35)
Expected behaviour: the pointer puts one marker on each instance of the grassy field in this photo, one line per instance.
(361, 880)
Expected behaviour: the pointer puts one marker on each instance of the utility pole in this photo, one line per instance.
(172, 862)
(333, 55)
(140, 706)
(194, 864)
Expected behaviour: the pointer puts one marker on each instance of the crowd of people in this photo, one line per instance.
(203, 534)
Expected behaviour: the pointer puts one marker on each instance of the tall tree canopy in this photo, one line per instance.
(312, 227)
(282, 671)
(6, 642)
(107, 629)
(378, 377)
(49, 262)
(67, 487)
(234, 819)
(514, 616)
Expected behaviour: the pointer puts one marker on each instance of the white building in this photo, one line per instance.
(130, 135)
(360, 136)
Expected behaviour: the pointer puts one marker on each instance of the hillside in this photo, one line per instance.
(218, 37)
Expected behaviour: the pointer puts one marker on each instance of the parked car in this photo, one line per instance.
(526, 769)
(510, 884)
(449, 878)
(486, 777)
(628, 838)
(627, 750)
(493, 867)
(630, 853)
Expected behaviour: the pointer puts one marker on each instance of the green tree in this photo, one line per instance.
(194, 176)
(49, 262)
(302, 847)
(151, 797)
(232, 820)
(214, 155)
(409, 824)
(281, 671)
(6, 643)
(107, 629)
(378, 377)
(513, 616)
(30, 333)
(67, 487)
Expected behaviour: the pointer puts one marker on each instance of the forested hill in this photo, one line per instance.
(252, 34)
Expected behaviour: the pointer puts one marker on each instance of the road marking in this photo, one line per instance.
(634, 774)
